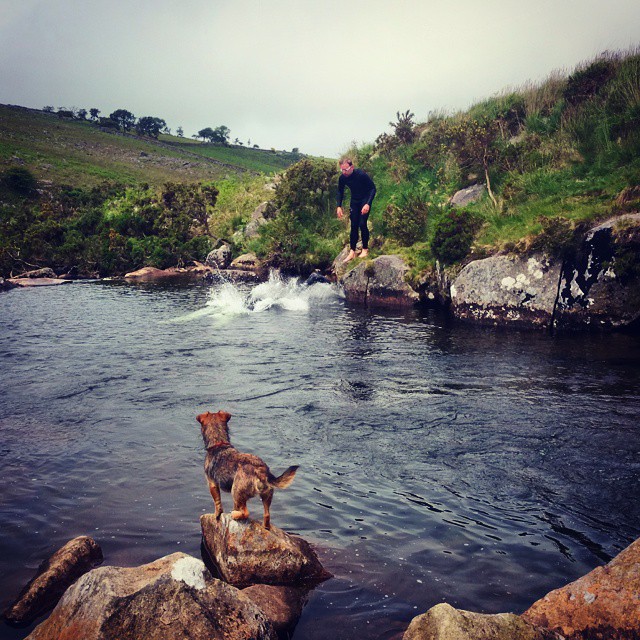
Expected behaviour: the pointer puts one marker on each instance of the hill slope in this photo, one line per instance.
(80, 154)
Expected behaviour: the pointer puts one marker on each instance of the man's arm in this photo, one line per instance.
(340, 190)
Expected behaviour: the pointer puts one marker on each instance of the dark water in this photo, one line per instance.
(438, 462)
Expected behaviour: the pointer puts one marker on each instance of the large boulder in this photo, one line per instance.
(172, 598)
(53, 578)
(151, 274)
(219, 258)
(245, 553)
(258, 218)
(380, 283)
(507, 290)
(601, 283)
(603, 604)
(444, 622)
(467, 196)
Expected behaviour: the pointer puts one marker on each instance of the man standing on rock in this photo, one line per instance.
(362, 193)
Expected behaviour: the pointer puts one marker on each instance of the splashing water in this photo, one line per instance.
(290, 294)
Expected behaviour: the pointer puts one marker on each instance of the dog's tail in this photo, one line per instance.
(283, 481)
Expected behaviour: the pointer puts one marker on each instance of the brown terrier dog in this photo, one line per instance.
(243, 474)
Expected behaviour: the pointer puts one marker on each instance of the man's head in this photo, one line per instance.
(346, 166)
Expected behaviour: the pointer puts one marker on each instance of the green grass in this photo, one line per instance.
(80, 154)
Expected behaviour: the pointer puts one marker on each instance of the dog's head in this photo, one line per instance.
(214, 427)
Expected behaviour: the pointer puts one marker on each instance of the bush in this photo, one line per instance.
(406, 219)
(586, 82)
(453, 235)
(20, 181)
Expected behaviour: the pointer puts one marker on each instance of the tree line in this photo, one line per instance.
(125, 121)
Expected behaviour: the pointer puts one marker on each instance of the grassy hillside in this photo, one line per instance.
(80, 154)
(553, 158)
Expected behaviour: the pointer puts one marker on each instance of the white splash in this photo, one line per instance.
(190, 571)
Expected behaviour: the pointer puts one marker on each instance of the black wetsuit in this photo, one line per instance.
(363, 192)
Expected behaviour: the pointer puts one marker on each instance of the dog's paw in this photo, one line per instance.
(239, 515)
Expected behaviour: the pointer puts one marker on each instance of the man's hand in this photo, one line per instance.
(365, 209)
(340, 213)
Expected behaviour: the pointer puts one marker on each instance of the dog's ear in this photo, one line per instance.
(224, 416)
(201, 418)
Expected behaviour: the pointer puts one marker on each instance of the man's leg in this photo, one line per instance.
(354, 217)
(364, 230)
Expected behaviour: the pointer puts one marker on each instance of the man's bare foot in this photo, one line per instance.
(365, 253)
(351, 256)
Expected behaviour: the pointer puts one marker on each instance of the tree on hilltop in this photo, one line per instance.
(150, 126)
(125, 119)
(180, 132)
(94, 113)
(206, 134)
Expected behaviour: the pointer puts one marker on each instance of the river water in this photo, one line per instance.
(437, 462)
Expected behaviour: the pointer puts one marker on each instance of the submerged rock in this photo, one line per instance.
(245, 553)
(38, 282)
(172, 598)
(380, 283)
(603, 604)
(444, 622)
(53, 578)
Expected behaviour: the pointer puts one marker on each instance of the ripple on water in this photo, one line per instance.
(436, 463)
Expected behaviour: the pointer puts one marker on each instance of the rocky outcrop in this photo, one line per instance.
(53, 578)
(245, 553)
(219, 258)
(379, 283)
(467, 196)
(597, 286)
(444, 622)
(507, 290)
(172, 598)
(603, 604)
(258, 218)
(601, 283)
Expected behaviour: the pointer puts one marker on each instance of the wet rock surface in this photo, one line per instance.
(54, 576)
(245, 553)
(604, 604)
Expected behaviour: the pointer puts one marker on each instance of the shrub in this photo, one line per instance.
(453, 235)
(406, 219)
(558, 236)
(587, 81)
(20, 181)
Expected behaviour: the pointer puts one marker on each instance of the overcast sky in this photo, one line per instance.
(314, 75)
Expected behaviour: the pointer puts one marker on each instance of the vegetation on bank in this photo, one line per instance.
(553, 157)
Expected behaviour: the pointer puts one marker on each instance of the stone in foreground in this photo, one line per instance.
(245, 553)
(444, 622)
(172, 598)
(54, 577)
(604, 604)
